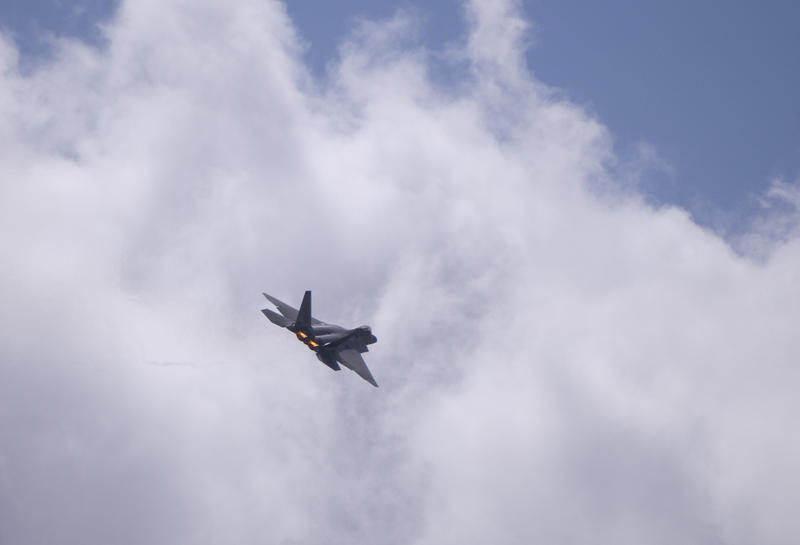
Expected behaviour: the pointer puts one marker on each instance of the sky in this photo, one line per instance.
(709, 91)
(701, 99)
(582, 333)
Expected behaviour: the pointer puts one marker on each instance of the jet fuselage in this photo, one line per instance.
(332, 344)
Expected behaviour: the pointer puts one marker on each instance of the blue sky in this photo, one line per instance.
(713, 87)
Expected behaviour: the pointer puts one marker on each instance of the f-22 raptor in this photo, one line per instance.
(333, 344)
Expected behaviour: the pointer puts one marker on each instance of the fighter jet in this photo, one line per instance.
(333, 344)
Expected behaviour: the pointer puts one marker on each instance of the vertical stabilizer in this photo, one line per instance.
(304, 314)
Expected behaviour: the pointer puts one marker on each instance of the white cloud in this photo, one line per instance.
(556, 364)
(775, 224)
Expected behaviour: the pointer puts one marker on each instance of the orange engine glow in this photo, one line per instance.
(313, 344)
(301, 335)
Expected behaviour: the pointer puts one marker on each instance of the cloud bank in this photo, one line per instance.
(559, 361)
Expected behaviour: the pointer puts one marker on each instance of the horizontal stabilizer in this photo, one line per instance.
(287, 310)
(352, 360)
(276, 318)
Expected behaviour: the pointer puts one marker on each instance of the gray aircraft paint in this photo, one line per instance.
(331, 343)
